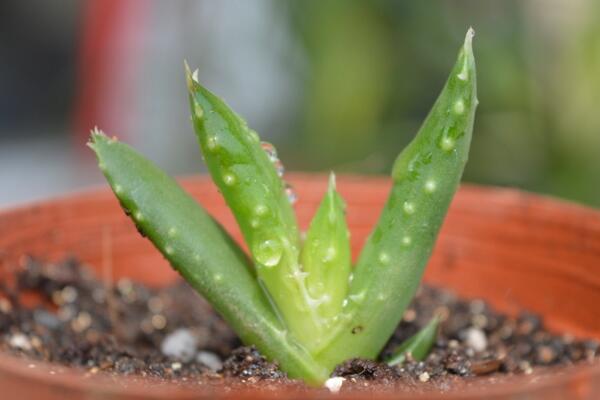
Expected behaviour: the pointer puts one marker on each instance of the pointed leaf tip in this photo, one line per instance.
(95, 135)
(466, 53)
(332, 184)
(469, 39)
(190, 77)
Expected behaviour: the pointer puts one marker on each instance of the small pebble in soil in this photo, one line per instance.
(475, 339)
(180, 344)
(173, 334)
(210, 359)
(334, 384)
(20, 341)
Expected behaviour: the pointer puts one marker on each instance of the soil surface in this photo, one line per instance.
(63, 314)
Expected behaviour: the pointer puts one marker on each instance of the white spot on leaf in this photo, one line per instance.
(430, 186)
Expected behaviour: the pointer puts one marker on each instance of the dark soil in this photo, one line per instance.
(63, 314)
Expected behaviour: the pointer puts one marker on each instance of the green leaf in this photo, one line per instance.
(426, 175)
(326, 256)
(202, 252)
(249, 182)
(418, 345)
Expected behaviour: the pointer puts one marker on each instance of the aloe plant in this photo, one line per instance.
(301, 302)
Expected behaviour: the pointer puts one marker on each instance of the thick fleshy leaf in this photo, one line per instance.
(426, 175)
(326, 256)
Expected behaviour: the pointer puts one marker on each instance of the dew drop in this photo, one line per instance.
(118, 189)
(464, 73)
(406, 240)
(447, 143)
(381, 297)
(169, 249)
(268, 253)
(279, 167)
(345, 303)
(270, 150)
(350, 278)
(229, 179)
(290, 193)
(172, 232)
(211, 143)
(459, 107)
(408, 207)
(384, 258)
(195, 76)
(330, 254)
(198, 110)
(260, 210)
(254, 223)
(430, 186)
(138, 216)
(218, 277)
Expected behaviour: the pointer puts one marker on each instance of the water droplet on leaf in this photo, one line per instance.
(409, 207)
(384, 258)
(447, 143)
(229, 179)
(290, 193)
(269, 252)
(430, 186)
(279, 167)
(330, 254)
(211, 143)
(198, 111)
(260, 210)
(270, 150)
(459, 107)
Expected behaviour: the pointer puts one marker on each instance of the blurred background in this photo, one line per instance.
(340, 85)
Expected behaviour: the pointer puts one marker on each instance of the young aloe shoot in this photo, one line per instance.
(418, 345)
(301, 302)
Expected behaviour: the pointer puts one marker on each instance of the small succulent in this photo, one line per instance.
(300, 301)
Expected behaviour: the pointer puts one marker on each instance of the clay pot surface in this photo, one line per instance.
(513, 249)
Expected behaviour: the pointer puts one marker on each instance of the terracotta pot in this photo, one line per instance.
(512, 249)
